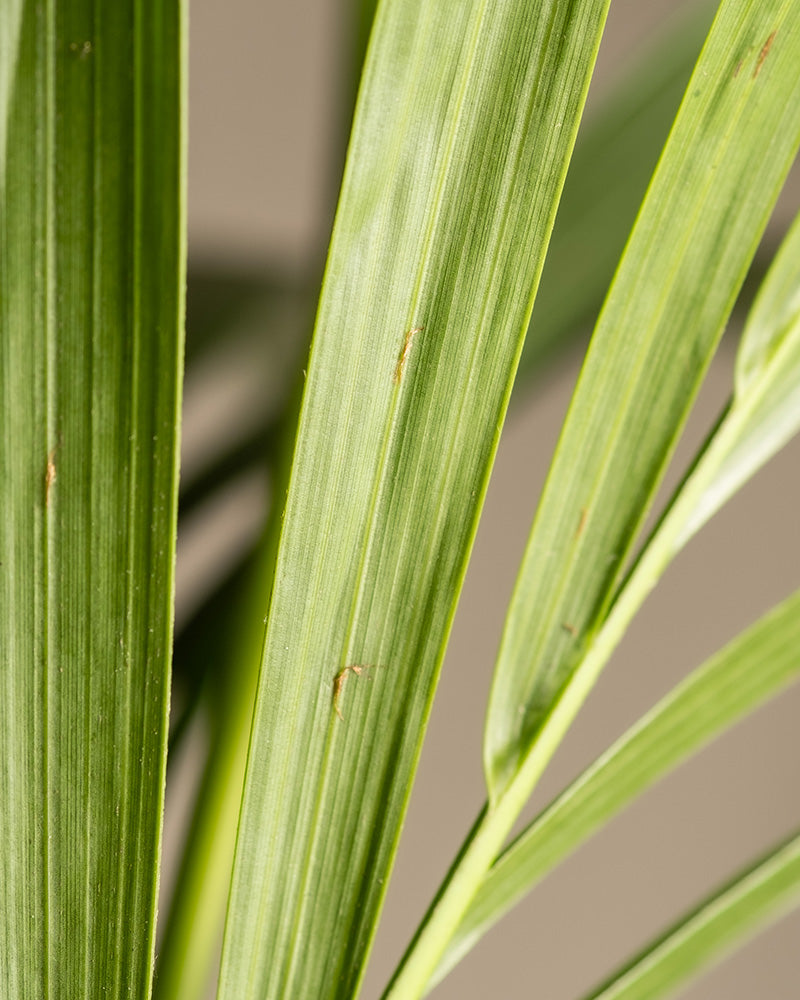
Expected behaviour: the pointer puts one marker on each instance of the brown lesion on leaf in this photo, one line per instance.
(569, 627)
(736, 70)
(339, 682)
(582, 522)
(405, 351)
(49, 474)
(762, 55)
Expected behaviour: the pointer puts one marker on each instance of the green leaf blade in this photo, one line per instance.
(706, 208)
(457, 158)
(774, 316)
(765, 410)
(753, 667)
(765, 892)
(91, 274)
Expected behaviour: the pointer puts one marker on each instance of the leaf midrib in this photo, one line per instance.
(50, 49)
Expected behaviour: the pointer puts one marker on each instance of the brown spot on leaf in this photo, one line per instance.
(406, 349)
(49, 475)
(762, 55)
(338, 682)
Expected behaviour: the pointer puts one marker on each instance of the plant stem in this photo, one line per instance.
(487, 838)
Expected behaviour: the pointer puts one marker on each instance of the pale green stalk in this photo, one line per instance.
(753, 667)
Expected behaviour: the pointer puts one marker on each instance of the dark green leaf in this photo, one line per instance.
(91, 278)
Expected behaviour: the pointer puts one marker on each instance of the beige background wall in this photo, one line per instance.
(266, 79)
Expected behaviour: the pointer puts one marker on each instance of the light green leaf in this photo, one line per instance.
(763, 893)
(230, 635)
(730, 149)
(763, 415)
(774, 317)
(190, 934)
(466, 118)
(765, 411)
(753, 667)
(91, 275)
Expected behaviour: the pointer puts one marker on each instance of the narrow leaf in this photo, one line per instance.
(230, 634)
(763, 414)
(765, 411)
(188, 952)
(732, 144)
(91, 275)
(774, 316)
(466, 118)
(752, 668)
(763, 893)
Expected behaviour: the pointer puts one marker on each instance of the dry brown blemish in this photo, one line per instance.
(406, 350)
(569, 627)
(49, 475)
(338, 682)
(762, 55)
(582, 522)
(738, 67)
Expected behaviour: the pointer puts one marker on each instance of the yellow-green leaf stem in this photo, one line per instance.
(753, 667)
(466, 118)
(91, 281)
